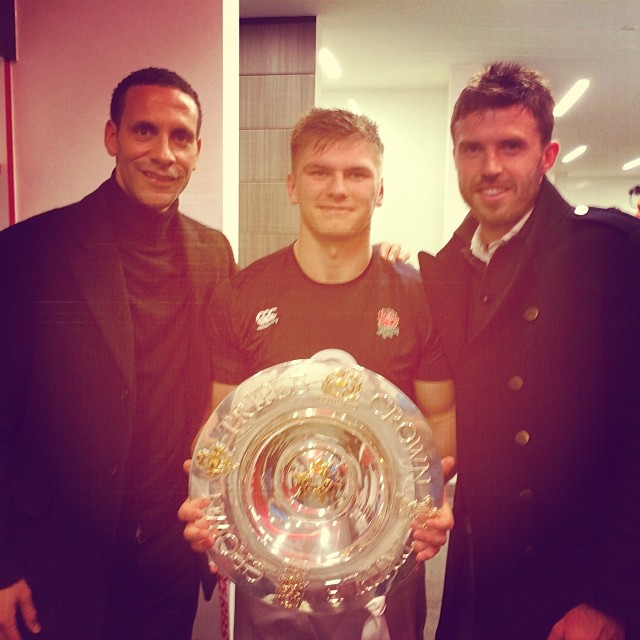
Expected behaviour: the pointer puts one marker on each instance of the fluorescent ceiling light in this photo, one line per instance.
(576, 153)
(631, 165)
(571, 97)
(329, 64)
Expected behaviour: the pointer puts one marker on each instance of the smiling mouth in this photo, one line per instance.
(156, 177)
(331, 209)
(491, 192)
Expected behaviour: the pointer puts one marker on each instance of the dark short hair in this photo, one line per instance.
(151, 76)
(322, 127)
(504, 84)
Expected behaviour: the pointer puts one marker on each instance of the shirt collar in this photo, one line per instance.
(485, 252)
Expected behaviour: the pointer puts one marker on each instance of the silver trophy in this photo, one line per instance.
(314, 470)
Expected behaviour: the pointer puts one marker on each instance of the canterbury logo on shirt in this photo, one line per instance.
(266, 318)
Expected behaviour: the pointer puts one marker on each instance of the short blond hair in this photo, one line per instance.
(321, 127)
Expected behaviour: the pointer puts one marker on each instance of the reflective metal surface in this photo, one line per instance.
(314, 470)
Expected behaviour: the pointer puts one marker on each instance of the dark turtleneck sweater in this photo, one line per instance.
(160, 293)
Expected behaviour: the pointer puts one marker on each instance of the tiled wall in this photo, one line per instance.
(277, 86)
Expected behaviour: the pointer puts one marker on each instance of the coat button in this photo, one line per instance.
(526, 495)
(522, 438)
(114, 470)
(531, 313)
(516, 383)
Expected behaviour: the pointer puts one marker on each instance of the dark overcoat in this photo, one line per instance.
(548, 426)
(67, 396)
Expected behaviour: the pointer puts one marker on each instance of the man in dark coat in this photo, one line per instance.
(104, 381)
(537, 304)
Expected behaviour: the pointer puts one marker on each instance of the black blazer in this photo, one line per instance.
(547, 412)
(67, 393)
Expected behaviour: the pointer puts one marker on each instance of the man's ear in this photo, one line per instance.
(549, 155)
(291, 189)
(111, 137)
(199, 146)
(380, 193)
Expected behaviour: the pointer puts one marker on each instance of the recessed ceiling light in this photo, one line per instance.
(329, 64)
(631, 164)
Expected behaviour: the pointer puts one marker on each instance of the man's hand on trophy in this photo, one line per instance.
(430, 531)
(431, 526)
(197, 532)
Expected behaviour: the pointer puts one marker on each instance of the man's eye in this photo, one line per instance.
(512, 145)
(182, 137)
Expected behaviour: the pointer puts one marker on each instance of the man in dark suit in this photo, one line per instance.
(537, 305)
(104, 382)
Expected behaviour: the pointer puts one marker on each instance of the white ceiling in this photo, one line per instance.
(414, 43)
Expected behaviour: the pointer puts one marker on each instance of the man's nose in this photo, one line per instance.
(491, 165)
(338, 184)
(162, 150)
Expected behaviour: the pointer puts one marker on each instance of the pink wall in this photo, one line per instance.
(5, 151)
(71, 54)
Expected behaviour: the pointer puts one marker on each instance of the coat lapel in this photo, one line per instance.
(98, 271)
(503, 296)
